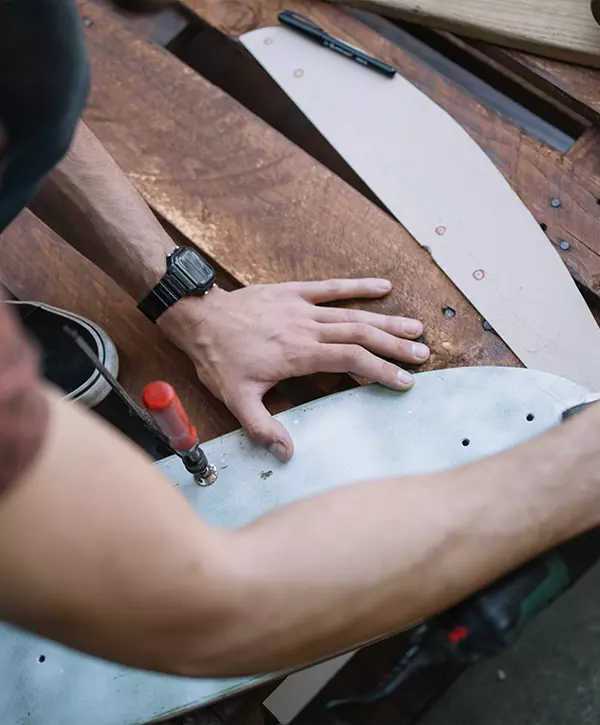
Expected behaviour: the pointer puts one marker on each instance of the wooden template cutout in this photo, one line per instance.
(563, 29)
(443, 188)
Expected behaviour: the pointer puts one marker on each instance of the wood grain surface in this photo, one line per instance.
(562, 29)
(576, 82)
(259, 206)
(536, 172)
(546, 82)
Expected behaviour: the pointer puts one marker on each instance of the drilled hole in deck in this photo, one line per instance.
(465, 442)
(529, 417)
(41, 658)
(543, 226)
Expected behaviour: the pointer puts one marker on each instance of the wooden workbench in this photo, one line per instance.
(228, 164)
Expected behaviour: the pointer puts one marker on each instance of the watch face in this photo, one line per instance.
(191, 263)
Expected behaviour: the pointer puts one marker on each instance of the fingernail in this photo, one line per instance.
(384, 284)
(413, 328)
(404, 378)
(421, 352)
(279, 451)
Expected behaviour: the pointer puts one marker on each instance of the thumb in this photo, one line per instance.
(260, 426)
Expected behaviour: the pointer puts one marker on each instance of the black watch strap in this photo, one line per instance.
(161, 298)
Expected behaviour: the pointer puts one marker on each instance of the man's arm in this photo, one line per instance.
(93, 206)
(244, 342)
(101, 552)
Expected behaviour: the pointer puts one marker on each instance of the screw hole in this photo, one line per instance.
(465, 442)
(543, 226)
(597, 201)
(41, 658)
(529, 417)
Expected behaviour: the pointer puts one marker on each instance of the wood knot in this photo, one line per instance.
(235, 18)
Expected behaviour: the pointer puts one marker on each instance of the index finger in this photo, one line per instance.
(330, 290)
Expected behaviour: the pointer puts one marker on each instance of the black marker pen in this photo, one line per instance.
(311, 30)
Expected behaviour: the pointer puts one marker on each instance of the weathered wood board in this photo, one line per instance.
(562, 29)
(258, 205)
(575, 82)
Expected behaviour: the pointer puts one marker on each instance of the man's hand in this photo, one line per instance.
(244, 342)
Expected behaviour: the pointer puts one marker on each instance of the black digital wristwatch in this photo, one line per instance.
(188, 273)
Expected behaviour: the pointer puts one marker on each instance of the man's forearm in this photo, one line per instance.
(100, 552)
(351, 565)
(94, 207)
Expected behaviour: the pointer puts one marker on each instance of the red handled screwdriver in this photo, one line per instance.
(163, 404)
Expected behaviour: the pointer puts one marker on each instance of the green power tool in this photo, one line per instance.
(493, 619)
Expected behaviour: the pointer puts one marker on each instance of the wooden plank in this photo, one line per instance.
(585, 152)
(35, 264)
(572, 81)
(253, 201)
(159, 27)
(572, 86)
(537, 173)
(562, 29)
(512, 72)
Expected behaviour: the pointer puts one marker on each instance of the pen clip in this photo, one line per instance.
(298, 16)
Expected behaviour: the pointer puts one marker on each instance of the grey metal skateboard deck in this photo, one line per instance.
(450, 418)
